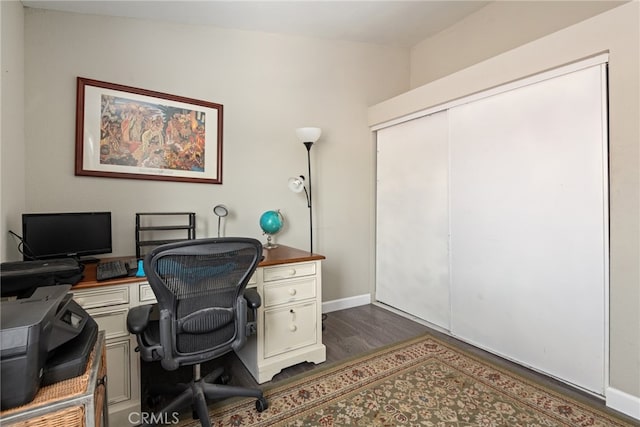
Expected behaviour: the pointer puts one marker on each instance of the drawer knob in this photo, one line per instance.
(292, 272)
(292, 291)
(293, 328)
(80, 301)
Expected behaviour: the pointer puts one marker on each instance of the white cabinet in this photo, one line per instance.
(288, 328)
(119, 366)
(289, 321)
(109, 306)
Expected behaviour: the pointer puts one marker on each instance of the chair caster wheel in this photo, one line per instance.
(261, 404)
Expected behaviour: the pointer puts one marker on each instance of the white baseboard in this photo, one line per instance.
(341, 304)
(623, 402)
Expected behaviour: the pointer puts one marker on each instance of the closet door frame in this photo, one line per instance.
(596, 60)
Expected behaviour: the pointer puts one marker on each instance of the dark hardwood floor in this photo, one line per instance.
(354, 331)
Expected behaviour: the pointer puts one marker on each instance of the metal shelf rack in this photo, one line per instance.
(189, 227)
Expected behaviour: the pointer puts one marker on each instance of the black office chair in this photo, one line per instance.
(202, 300)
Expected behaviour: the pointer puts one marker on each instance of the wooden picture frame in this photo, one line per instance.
(127, 132)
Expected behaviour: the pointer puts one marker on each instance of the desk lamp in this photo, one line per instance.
(221, 211)
(308, 136)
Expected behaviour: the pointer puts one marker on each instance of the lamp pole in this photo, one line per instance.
(309, 201)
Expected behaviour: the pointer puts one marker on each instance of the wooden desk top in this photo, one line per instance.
(280, 255)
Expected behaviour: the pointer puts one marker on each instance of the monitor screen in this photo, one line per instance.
(57, 235)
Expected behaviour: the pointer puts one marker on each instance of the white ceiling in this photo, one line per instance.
(395, 22)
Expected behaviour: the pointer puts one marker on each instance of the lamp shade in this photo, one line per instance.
(308, 134)
(220, 210)
(296, 184)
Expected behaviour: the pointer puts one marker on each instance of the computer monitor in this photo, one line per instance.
(73, 234)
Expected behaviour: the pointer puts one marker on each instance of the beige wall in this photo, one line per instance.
(269, 85)
(496, 28)
(616, 32)
(12, 153)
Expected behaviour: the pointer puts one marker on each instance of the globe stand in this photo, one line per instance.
(269, 245)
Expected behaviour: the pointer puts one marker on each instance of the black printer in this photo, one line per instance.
(20, 278)
(44, 338)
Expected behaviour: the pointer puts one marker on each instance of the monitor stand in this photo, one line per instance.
(89, 260)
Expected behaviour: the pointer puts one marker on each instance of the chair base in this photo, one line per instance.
(196, 393)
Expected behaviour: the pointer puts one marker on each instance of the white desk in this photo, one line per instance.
(289, 330)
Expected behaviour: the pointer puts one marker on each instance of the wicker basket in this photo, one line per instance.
(64, 403)
(64, 418)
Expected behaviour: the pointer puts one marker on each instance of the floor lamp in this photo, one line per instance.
(308, 136)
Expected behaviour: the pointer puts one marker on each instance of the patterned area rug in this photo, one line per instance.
(422, 382)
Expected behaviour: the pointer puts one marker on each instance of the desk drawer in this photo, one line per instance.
(145, 293)
(289, 328)
(113, 322)
(289, 291)
(289, 271)
(102, 297)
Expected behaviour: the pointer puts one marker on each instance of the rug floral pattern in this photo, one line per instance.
(423, 382)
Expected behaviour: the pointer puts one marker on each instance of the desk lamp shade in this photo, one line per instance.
(221, 211)
(296, 184)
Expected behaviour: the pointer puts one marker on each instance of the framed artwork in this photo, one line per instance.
(126, 132)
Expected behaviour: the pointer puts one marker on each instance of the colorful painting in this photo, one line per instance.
(127, 132)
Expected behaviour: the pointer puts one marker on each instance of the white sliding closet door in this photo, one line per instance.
(412, 264)
(529, 225)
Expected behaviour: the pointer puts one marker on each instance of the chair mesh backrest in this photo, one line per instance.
(200, 282)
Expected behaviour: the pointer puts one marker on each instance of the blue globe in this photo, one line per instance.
(271, 222)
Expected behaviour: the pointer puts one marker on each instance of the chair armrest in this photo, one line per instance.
(254, 301)
(253, 298)
(138, 318)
